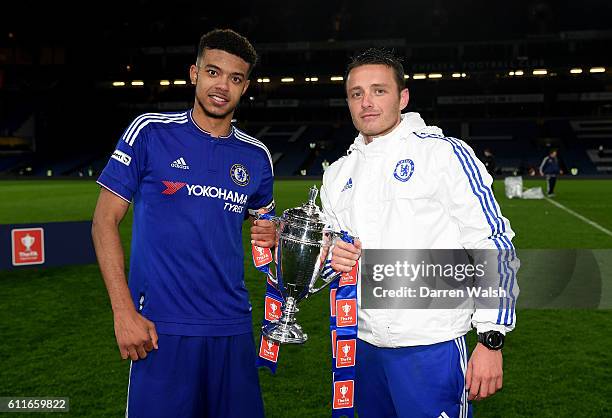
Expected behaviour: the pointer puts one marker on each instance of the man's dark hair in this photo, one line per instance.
(229, 41)
(378, 56)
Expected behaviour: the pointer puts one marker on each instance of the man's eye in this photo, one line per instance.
(237, 80)
(355, 95)
(212, 72)
(380, 91)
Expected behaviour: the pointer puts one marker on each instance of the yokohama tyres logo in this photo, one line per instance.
(238, 200)
(172, 186)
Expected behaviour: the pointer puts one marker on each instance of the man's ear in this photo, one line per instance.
(404, 98)
(246, 86)
(193, 74)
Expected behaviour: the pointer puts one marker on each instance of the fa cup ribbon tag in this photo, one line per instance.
(332, 302)
(345, 353)
(349, 278)
(344, 391)
(346, 312)
(261, 256)
(268, 350)
(273, 308)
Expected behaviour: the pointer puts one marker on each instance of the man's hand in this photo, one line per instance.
(484, 372)
(135, 334)
(263, 233)
(345, 255)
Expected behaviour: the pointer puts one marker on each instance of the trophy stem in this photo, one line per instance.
(286, 330)
(289, 311)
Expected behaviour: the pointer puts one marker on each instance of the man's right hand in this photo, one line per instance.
(345, 255)
(135, 334)
(263, 233)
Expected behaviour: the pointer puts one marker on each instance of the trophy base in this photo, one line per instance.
(284, 333)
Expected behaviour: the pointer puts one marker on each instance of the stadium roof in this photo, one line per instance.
(149, 22)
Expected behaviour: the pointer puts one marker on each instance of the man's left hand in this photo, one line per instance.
(263, 233)
(484, 372)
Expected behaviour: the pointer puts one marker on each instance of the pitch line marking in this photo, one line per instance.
(579, 216)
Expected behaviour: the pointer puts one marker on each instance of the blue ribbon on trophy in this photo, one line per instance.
(343, 330)
(268, 350)
(302, 257)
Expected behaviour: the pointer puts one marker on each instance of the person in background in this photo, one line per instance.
(489, 161)
(550, 168)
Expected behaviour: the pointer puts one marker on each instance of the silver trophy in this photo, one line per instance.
(304, 241)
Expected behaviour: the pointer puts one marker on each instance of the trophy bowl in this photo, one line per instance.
(304, 240)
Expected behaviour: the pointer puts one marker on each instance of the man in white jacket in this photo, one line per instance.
(404, 185)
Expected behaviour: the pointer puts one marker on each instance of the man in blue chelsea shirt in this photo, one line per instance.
(185, 319)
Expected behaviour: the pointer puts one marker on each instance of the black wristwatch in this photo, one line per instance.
(493, 340)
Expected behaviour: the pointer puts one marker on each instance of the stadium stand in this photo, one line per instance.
(59, 118)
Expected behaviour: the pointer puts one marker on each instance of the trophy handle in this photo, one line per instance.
(326, 282)
(328, 275)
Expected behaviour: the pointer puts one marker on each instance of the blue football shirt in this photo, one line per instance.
(191, 195)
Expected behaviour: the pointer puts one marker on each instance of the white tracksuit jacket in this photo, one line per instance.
(446, 203)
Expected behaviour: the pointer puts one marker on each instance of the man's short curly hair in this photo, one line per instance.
(373, 56)
(229, 41)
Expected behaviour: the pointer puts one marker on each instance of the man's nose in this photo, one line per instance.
(223, 83)
(365, 102)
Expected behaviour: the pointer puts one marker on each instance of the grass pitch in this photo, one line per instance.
(57, 331)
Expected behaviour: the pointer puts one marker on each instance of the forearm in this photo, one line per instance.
(109, 252)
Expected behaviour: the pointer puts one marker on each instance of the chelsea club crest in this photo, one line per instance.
(239, 175)
(403, 170)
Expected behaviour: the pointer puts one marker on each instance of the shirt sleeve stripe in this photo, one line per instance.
(112, 191)
(144, 116)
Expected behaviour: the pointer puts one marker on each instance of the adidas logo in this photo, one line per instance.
(348, 184)
(180, 163)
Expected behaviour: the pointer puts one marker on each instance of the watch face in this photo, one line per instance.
(495, 340)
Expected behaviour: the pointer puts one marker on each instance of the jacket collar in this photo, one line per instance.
(411, 122)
